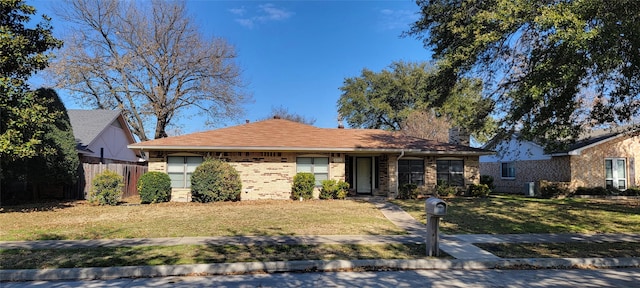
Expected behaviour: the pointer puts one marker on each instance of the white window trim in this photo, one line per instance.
(614, 170)
(318, 182)
(514, 170)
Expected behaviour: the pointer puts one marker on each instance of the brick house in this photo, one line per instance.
(267, 154)
(601, 158)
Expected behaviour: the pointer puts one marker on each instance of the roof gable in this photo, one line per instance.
(281, 134)
(87, 125)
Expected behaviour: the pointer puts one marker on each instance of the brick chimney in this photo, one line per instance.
(459, 136)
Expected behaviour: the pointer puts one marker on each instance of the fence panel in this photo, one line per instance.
(130, 174)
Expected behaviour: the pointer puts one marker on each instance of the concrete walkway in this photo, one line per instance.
(467, 256)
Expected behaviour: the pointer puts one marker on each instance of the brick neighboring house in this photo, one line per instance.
(267, 154)
(602, 158)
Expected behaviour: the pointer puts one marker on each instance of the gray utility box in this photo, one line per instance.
(435, 207)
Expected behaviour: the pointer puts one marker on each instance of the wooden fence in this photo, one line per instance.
(130, 173)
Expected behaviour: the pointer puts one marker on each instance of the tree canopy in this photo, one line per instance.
(24, 50)
(150, 60)
(552, 68)
(282, 112)
(386, 99)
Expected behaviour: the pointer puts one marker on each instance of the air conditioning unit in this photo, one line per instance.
(529, 189)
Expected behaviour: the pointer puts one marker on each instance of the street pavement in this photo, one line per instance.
(468, 259)
(629, 277)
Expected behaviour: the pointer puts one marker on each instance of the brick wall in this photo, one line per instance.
(556, 170)
(585, 170)
(588, 168)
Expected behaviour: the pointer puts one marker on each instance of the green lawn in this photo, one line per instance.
(79, 220)
(199, 254)
(514, 214)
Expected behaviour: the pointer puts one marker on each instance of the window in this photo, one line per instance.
(509, 170)
(180, 169)
(615, 173)
(411, 171)
(450, 172)
(318, 166)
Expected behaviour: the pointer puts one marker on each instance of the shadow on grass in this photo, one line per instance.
(512, 214)
(37, 207)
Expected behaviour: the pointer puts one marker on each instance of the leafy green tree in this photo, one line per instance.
(385, 100)
(57, 166)
(23, 51)
(553, 68)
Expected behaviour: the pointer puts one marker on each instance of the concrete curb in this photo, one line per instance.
(309, 266)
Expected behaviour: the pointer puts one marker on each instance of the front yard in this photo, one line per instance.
(79, 220)
(515, 214)
(494, 215)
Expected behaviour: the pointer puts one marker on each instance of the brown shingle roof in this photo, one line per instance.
(285, 135)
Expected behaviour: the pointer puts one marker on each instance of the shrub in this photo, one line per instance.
(106, 188)
(303, 184)
(408, 191)
(480, 190)
(444, 189)
(154, 187)
(332, 189)
(215, 180)
(631, 191)
(554, 189)
(487, 180)
(596, 191)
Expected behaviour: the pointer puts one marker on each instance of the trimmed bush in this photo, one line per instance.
(303, 184)
(631, 191)
(487, 180)
(215, 180)
(154, 187)
(594, 191)
(408, 191)
(106, 188)
(332, 189)
(550, 189)
(445, 190)
(481, 190)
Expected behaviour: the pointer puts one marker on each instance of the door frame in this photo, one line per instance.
(372, 173)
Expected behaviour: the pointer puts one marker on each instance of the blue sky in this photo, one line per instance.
(296, 54)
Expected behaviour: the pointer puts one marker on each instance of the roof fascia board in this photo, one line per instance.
(578, 151)
(302, 149)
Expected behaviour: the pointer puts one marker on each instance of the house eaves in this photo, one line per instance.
(578, 151)
(307, 149)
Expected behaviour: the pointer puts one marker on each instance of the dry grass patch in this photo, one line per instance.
(199, 254)
(79, 220)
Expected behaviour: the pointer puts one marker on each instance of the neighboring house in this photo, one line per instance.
(603, 158)
(267, 154)
(102, 136)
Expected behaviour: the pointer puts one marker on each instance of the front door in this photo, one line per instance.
(363, 175)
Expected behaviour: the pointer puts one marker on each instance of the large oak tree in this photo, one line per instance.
(553, 68)
(394, 98)
(150, 60)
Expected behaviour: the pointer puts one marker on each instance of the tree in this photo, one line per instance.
(426, 124)
(385, 100)
(282, 112)
(553, 68)
(148, 59)
(23, 51)
(57, 167)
